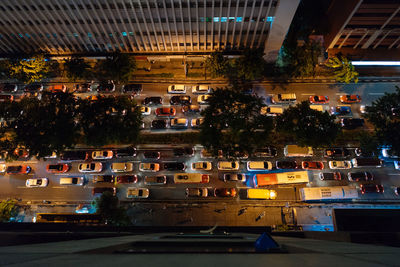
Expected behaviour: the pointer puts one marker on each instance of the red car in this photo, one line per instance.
(312, 165)
(20, 169)
(21, 152)
(57, 88)
(165, 112)
(225, 192)
(127, 179)
(349, 99)
(58, 168)
(319, 99)
(371, 188)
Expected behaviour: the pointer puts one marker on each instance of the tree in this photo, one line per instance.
(233, 123)
(8, 209)
(342, 69)
(109, 120)
(369, 143)
(217, 64)
(110, 211)
(309, 127)
(249, 66)
(384, 115)
(76, 68)
(117, 67)
(29, 70)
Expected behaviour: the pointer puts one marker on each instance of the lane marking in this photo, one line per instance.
(376, 93)
(393, 174)
(307, 94)
(59, 187)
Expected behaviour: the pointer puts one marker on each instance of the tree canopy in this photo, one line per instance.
(8, 209)
(250, 65)
(343, 70)
(118, 67)
(217, 64)
(108, 207)
(76, 68)
(29, 70)
(233, 123)
(307, 126)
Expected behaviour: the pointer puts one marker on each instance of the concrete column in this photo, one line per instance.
(283, 18)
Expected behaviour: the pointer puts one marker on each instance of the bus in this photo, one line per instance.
(83, 218)
(264, 179)
(328, 193)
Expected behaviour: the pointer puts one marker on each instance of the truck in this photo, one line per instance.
(298, 151)
(328, 193)
(264, 179)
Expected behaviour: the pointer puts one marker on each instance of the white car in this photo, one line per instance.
(177, 89)
(196, 192)
(3, 168)
(145, 110)
(234, 177)
(134, 192)
(228, 165)
(122, 167)
(259, 165)
(37, 182)
(201, 89)
(396, 164)
(90, 167)
(202, 99)
(202, 166)
(195, 123)
(149, 167)
(339, 164)
(102, 154)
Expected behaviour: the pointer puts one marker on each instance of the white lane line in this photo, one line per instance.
(339, 93)
(393, 174)
(307, 94)
(64, 187)
(376, 93)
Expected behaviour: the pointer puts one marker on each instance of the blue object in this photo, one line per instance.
(264, 243)
(340, 110)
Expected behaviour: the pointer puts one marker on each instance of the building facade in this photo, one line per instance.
(142, 26)
(364, 29)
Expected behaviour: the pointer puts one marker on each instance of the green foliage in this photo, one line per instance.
(169, 138)
(369, 143)
(109, 120)
(217, 64)
(387, 125)
(309, 127)
(250, 65)
(117, 67)
(29, 70)
(233, 123)
(343, 70)
(108, 207)
(76, 68)
(8, 209)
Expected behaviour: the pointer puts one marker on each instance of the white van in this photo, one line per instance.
(72, 180)
(271, 110)
(298, 151)
(180, 178)
(284, 98)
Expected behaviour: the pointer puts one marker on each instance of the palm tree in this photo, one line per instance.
(342, 69)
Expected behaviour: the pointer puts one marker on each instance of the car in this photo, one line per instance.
(58, 168)
(203, 99)
(165, 112)
(351, 123)
(123, 152)
(57, 88)
(180, 100)
(83, 88)
(396, 164)
(100, 190)
(155, 180)
(183, 151)
(387, 152)
(234, 177)
(319, 99)
(396, 111)
(286, 164)
(336, 153)
(202, 166)
(396, 190)
(122, 167)
(177, 89)
(103, 179)
(90, 167)
(312, 165)
(132, 88)
(287, 98)
(179, 123)
(9, 88)
(21, 152)
(233, 154)
(19, 169)
(75, 155)
(37, 182)
(265, 152)
(108, 86)
(174, 166)
(340, 110)
(152, 100)
(191, 109)
(77, 180)
(330, 176)
(371, 188)
(350, 99)
(102, 154)
(145, 110)
(228, 165)
(3, 168)
(196, 192)
(201, 89)
(4, 98)
(339, 164)
(225, 192)
(149, 167)
(33, 88)
(159, 124)
(363, 109)
(127, 179)
(259, 165)
(151, 154)
(271, 110)
(134, 192)
(195, 123)
(360, 176)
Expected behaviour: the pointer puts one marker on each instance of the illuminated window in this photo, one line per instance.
(239, 19)
(216, 19)
(21, 35)
(270, 19)
(89, 35)
(124, 34)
